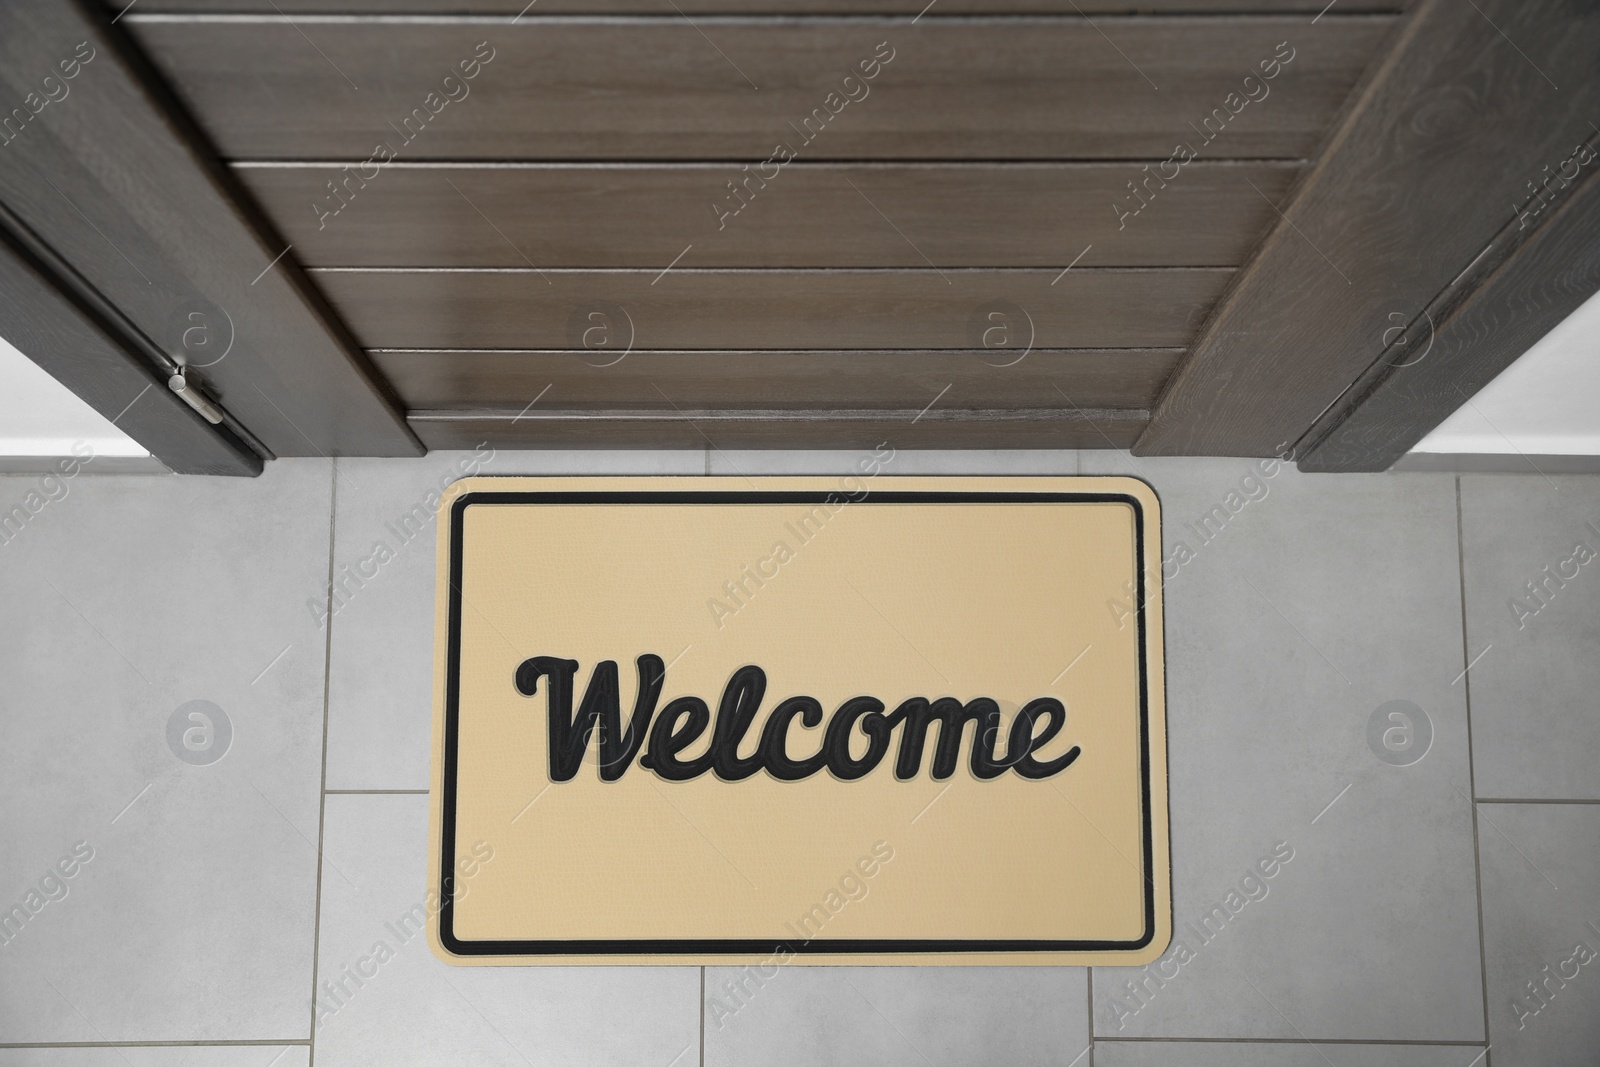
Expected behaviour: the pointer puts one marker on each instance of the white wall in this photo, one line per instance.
(1546, 403)
(41, 417)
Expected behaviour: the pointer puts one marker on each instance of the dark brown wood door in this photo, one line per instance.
(772, 222)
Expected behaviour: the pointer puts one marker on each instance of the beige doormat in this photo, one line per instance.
(813, 720)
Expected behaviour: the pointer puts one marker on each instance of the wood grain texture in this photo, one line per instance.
(906, 8)
(828, 428)
(664, 89)
(809, 215)
(1436, 157)
(1549, 272)
(780, 309)
(84, 352)
(599, 379)
(117, 185)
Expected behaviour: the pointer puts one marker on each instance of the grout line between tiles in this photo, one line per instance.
(374, 792)
(263, 1042)
(322, 786)
(1536, 800)
(1289, 1041)
(1089, 985)
(1472, 781)
(702, 969)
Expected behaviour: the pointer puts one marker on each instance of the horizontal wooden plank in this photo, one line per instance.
(122, 188)
(908, 8)
(762, 428)
(345, 88)
(808, 215)
(779, 309)
(970, 378)
(1477, 108)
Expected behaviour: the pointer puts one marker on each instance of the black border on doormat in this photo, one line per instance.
(764, 946)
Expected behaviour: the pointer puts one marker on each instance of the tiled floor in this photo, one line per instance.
(1441, 907)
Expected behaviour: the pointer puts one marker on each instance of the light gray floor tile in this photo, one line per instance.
(1312, 601)
(898, 1017)
(1541, 902)
(1319, 599)
(415, 1009)
(168, 1056)
(1274, 1054)
(381, 678)
(887, 459)
(1535, 729)
(127, 598)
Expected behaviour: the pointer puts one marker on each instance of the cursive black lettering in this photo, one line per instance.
(687, 719)
(569, 737)
(775, 739)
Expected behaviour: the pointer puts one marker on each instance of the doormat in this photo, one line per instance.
(777, 720)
